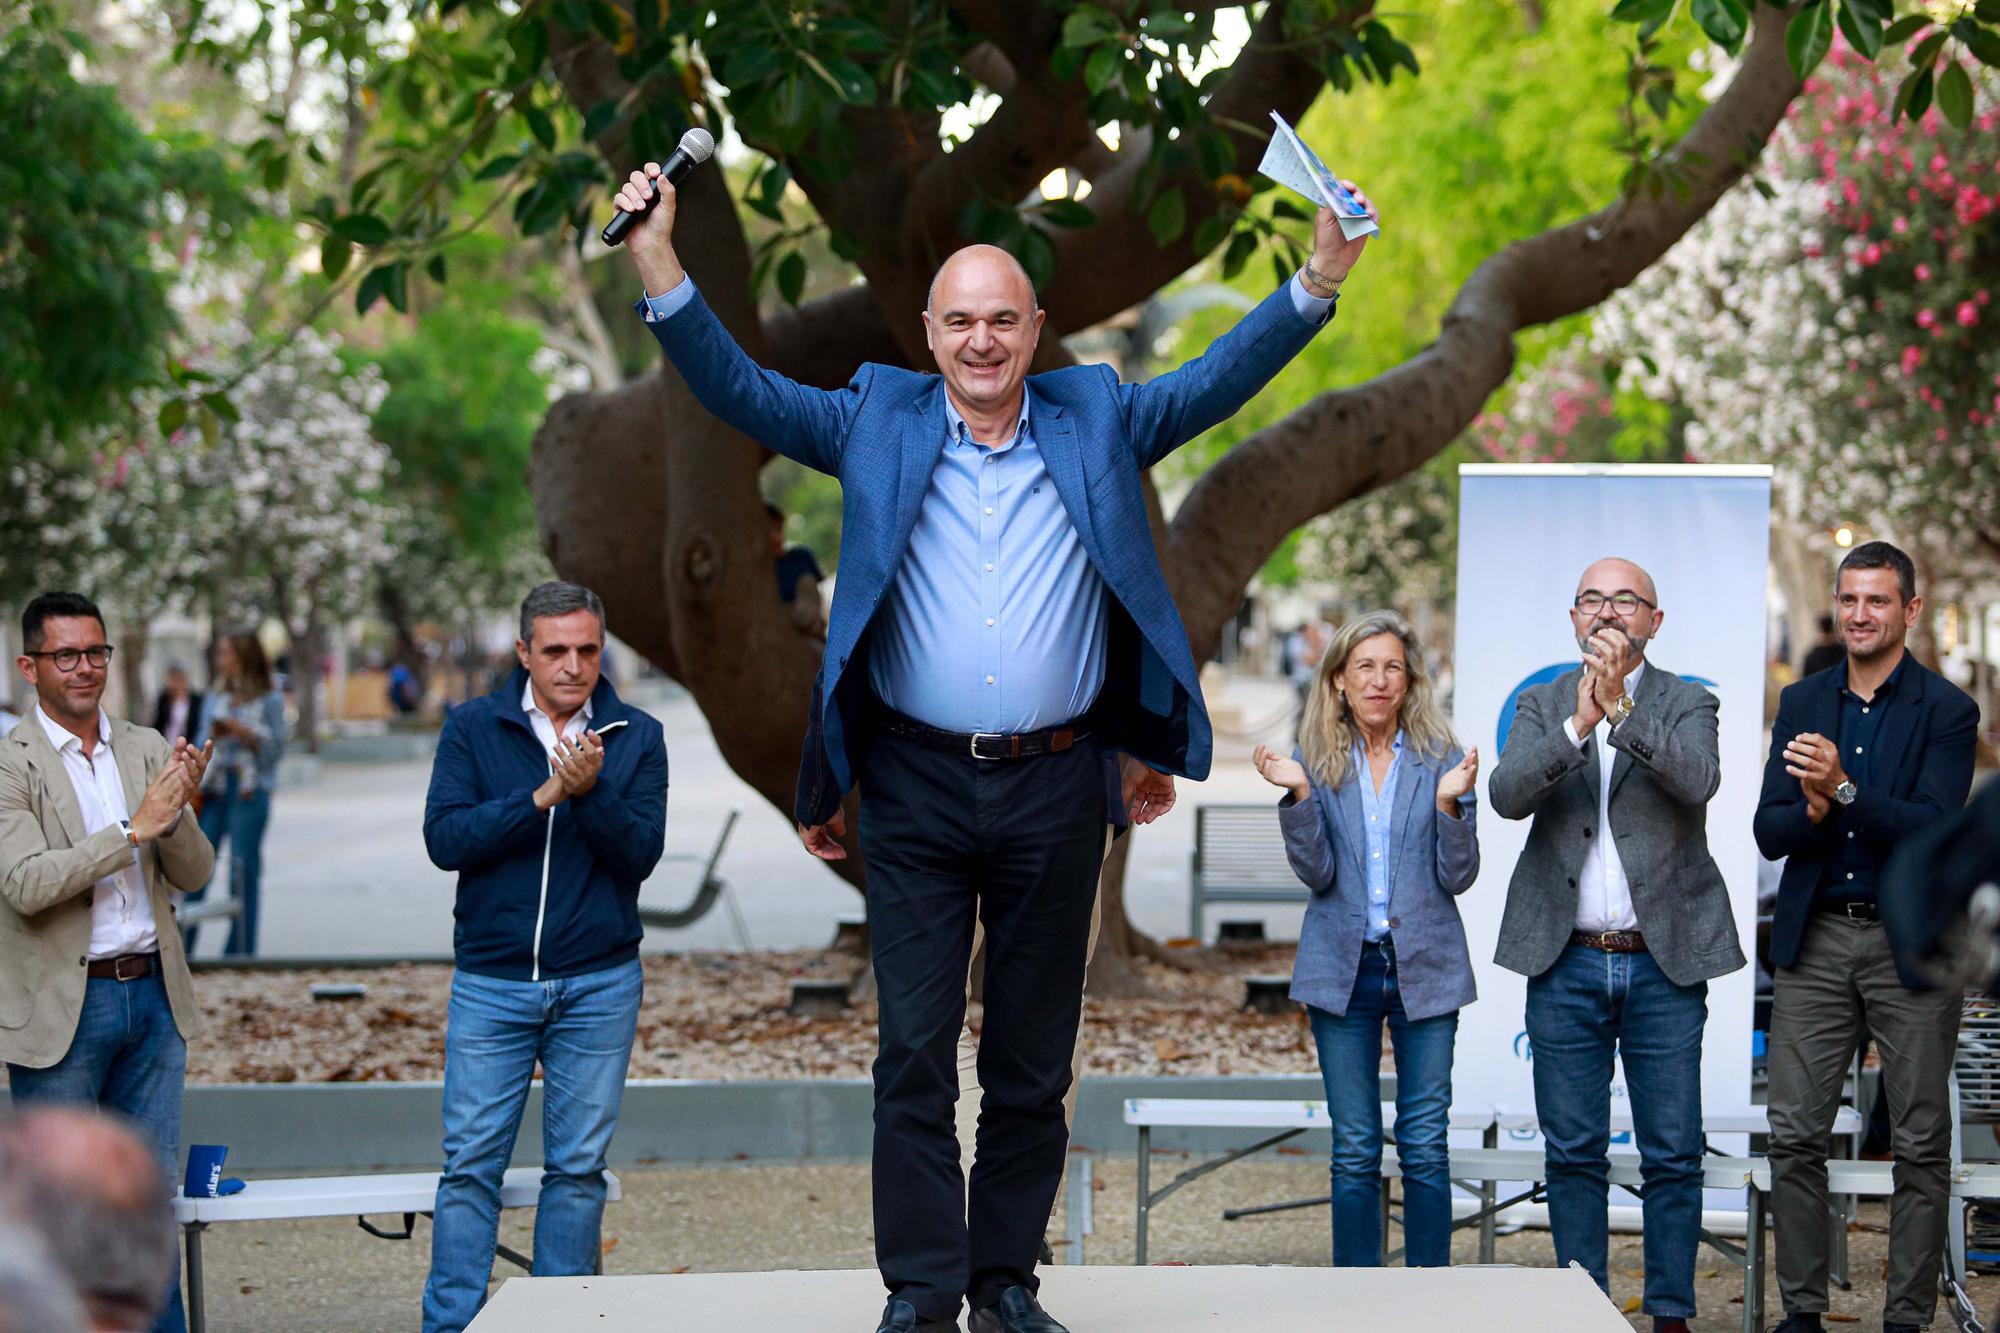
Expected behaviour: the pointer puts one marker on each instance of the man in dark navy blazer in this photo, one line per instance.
(1863, 754)
(1004, 674)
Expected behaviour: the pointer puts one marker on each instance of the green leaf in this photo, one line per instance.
(498, 167)
(1103, 67)
(1904, 28)
(1167, 217)
(1984, 45)
(218, 402)
(1650, 15)
(1913, 98)
(1808, 37)
(173, 415)
(1862, 31)
(1878, 12)
(1927, 50)
(1724, 21)
(396, 284)
(1210, 233)
(1287, 207)
(1037, 255)
(1241, 246)
(1988, 10)
(436, 268)
(539, 124)
(1954, 95)
(1066, 213)
(369, 292)
(1087, 26)
(362, 229)
(334, 252)
(598, 119)
(792, 277)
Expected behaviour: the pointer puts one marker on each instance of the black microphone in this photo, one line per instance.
(696, 147)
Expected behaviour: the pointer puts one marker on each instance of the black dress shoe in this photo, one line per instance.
(902, 1317)
(1017, 1311)
(1802, 1322)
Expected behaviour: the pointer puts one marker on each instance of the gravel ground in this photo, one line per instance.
(712, 1016)
(325, 1276)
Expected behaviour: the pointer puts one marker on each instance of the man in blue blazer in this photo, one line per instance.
(1002, 650)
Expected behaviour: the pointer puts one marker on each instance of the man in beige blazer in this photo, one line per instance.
(95, 1001)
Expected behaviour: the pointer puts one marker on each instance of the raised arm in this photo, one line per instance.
(804, 424)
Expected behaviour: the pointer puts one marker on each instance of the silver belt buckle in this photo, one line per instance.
(977, 736)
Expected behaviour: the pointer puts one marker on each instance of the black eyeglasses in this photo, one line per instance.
(1624, 603)
(66, 659)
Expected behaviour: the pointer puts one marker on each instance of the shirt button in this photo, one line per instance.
(1378, 856)
(989, 681)
(1850, 874)
(989, 566)
(989, 620)
(1864, 712)
(989, 509)
(1850, 833)
(1857, 749)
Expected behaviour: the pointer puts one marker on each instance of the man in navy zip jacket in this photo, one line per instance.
(549, 798)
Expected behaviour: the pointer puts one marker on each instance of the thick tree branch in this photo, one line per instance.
(1103, 269)
(1345, 443)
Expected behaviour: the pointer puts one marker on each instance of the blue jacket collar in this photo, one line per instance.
(605, 705)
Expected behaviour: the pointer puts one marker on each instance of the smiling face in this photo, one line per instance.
(1608, 582)
(1874, 618)
(1374, 680)
(71, 696)
(982, 326)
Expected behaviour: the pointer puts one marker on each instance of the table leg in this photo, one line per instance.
(1489, 1191)
(1145, 1190)
(196, 1311)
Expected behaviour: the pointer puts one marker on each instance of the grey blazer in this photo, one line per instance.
(1432, 859)
(1666, 769)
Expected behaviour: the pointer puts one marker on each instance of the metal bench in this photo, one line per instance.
(409, 1193)
(1239, 857)
(708, 889)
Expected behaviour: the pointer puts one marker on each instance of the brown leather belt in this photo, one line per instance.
(984, 744)
(125, 967)
(1611, 941)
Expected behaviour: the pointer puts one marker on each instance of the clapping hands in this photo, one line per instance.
(573, 769)
(1457, 781)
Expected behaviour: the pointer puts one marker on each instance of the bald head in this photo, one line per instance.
(982, 326)
(1614, 574)
(980, 264)
(97, 1193)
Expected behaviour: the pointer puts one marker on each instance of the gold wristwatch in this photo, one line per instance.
(1620, 710)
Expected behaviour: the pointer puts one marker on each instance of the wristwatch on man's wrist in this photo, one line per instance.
(1845, 793)
(1621, 710)
(125, 826)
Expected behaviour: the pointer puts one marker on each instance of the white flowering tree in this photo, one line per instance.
(305, 522)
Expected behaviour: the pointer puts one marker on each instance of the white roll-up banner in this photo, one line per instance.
(1526, 533)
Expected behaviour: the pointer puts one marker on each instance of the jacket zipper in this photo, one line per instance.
(542, 902)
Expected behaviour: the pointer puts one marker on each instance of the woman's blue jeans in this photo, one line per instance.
(1350, 1063)
(229, 815)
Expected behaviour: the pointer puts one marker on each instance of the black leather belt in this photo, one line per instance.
(1851, 908)
(984, 744)
(125, 967)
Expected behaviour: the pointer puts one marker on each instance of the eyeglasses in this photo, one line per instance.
(1624, 603)
(66, 659)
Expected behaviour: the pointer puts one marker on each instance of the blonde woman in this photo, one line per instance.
(1379, 824)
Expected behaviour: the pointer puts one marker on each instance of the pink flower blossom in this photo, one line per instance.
(1923, 275)
(1913, 356)
(1942, 435)
(1939, 162)
(1967, 314)
(1900, 225)
(1926, 319)
(1982, 296)
(1871, 255)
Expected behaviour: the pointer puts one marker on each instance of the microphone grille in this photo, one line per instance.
(698, 144)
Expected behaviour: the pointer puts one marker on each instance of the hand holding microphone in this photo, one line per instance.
(645, 214)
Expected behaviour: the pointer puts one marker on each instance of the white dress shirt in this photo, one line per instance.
(1603, 895)
(121, 916)
(544, 725)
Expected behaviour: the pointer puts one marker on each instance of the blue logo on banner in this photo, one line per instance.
(1543, 677)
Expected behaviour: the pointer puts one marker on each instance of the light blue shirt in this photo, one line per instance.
(996, 620)
(1375, 813)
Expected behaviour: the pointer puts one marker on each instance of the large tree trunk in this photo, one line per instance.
(646, 498)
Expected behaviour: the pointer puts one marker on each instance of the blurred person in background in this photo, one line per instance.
(244, 716)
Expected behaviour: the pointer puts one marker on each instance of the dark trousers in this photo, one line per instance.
(1018, 843)
(1844, 985)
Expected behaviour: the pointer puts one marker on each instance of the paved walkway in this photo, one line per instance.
(346, 872)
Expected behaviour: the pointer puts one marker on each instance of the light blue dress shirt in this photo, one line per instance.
(996, 620)
(1375, 814)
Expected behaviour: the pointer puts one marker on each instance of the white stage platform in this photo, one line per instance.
(1088, 1299)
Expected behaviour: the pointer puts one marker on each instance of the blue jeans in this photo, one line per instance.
(241, 820)
(1579, 1011)
(127, 1056)
(581, 1029)
(1350, 1062)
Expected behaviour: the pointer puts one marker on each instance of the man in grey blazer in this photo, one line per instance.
(1618, 916)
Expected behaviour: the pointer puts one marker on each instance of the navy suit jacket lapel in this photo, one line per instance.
(1899, 728)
